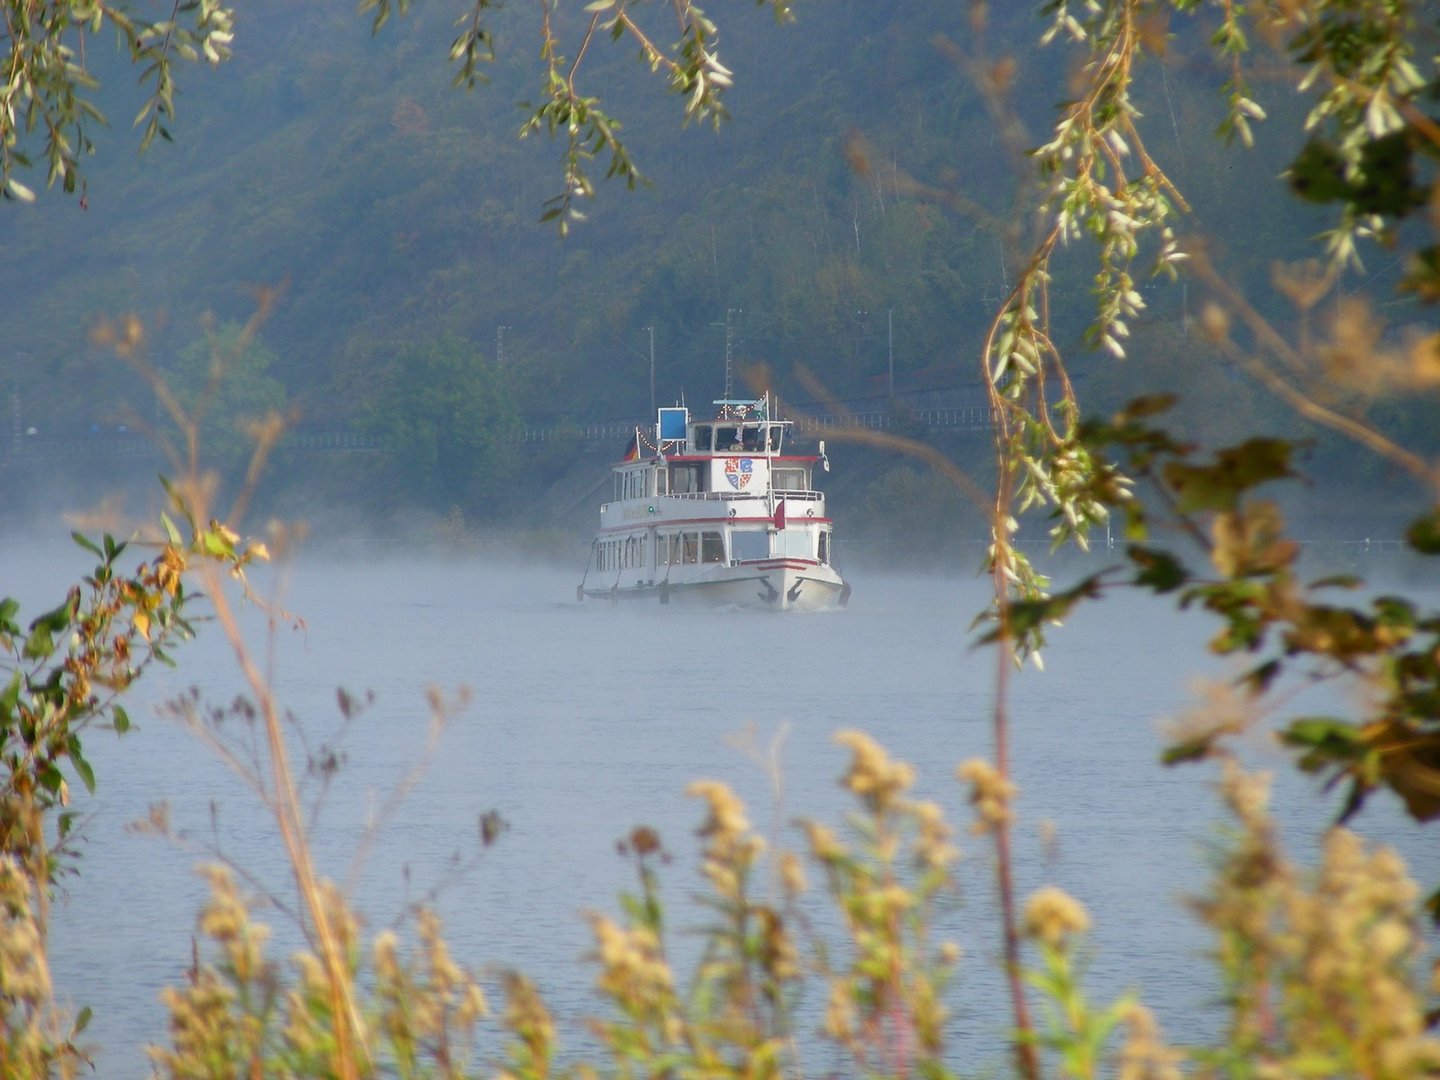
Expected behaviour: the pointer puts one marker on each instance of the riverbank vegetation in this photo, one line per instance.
(1324, 968)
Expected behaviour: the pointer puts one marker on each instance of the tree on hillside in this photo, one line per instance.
(221, 380)
(449, 425)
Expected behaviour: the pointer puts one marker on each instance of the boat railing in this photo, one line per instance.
(796, 494)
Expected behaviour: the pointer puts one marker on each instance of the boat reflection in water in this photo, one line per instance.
(716, 513)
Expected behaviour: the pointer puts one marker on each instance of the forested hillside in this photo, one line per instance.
(860, 209)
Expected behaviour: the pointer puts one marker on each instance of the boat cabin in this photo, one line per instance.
(741, 453)
(738, 475)
(734, 437)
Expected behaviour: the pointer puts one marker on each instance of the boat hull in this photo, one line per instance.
(752, 587)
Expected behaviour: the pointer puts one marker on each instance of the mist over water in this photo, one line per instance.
(586, 721)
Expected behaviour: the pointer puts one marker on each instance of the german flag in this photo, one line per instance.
(632, 448)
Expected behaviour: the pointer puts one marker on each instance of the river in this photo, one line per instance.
(586, 721)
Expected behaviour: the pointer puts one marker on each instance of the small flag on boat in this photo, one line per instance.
(779, 519)
(632, 449)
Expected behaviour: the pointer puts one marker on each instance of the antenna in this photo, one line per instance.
(651, 328)
(729, 357)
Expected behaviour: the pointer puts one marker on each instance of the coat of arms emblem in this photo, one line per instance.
(738, 471)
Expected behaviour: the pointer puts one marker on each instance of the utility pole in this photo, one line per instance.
(15, 404)
(729, 349)
(729, 357)
(651, 329)
(890, 335)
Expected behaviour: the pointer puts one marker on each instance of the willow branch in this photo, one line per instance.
(1303, 403)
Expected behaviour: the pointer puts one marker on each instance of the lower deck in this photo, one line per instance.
(658, 548)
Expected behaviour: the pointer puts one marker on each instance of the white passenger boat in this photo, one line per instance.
(716, 513)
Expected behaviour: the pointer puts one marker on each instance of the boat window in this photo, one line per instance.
(702, 436)
(795, 543)
(746, 545)
(712, 547)
(790, 478)
(662, 478)
(684, 479)
(727, 438)
(776, 434)
(690, 548)
(750, 439)
(824, 541)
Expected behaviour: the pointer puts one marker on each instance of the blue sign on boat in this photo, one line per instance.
(672, 423)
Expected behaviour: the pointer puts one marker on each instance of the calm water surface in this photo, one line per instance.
(586, 721)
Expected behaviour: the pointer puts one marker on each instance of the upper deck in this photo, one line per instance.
(737, 456)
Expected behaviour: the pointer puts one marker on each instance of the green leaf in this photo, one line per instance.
(170, 530)
(1422, 274)
(49, 777)
(16, 190)
(9, 697)
(1147, 405)
(1028, 616)
(8, 610)
(1424, 533)
(1338, 581)
(1236, 470)
(1159, 570)
(1318, 173)
(214, 544)
(57, 619)
(1259, 678)
(39, 645)
(1326, 740)
(86, 543)
(1191, 750)
(87, 774)
(121, 720)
